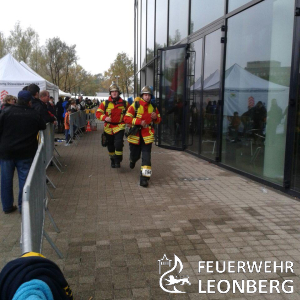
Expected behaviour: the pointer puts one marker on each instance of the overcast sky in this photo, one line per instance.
(100, 28)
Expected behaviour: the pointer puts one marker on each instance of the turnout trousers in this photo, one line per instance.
(115, 145)
(142, 149)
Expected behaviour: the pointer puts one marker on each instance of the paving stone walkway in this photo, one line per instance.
(113, 232)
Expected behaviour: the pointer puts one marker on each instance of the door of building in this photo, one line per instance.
(172, 76)
(292, 159)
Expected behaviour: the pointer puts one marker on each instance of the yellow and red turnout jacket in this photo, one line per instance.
(135, 118)
(116, 111)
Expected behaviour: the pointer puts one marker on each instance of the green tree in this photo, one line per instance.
(100, 79)
(20, 43)
(3, 46)
(59, 58)
(122, 71)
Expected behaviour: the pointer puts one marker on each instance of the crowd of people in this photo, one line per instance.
(22, 117)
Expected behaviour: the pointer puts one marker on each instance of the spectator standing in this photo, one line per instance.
(19, 126)
(59, 115)
(65, 105)
(51, 107)
(81, 104)
(89, 104)
(8, 100)
(39, 103)
(67, 126)
(73, 106)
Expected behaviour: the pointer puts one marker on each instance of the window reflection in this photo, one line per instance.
(233, 4)
(139, 36)
(211, 90)
(257, 88)
(173, 90)
(204, 12)
(150, 29)
(296, 169)
(143, 37)
(195, 84)
(161, 24)
(178, 20)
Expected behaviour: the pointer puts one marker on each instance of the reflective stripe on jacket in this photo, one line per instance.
(116, 112)
(144, 112)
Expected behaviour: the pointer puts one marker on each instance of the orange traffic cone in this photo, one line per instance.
(88, 127)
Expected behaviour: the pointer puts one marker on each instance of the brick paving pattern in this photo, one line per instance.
(113, 232)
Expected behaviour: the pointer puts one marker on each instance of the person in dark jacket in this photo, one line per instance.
(40, 105)
(19, 126)
(8, 100)
(59, 114)
(51, 107)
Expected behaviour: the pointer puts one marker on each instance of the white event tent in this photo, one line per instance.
(64, 94)
(14, 76)
(49, 84)
(52, 88)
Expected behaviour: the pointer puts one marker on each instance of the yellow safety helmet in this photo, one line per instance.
(146, 90)
(114, 87)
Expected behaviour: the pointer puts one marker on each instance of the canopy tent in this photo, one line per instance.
(14, 77)
(240, 85)
(52, 88)
(64, 94)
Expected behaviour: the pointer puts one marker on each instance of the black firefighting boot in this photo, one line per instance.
(118, 159)
(144, 181)
(112, 159)
(131, 165)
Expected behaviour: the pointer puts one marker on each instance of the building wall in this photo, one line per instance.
(238, 87)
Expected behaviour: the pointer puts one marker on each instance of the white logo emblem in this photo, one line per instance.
(172, 280)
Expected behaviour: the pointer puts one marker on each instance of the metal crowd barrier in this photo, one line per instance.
(82, 118)
(34, 202)
(77, 122)
(49, 143)
(91, 114)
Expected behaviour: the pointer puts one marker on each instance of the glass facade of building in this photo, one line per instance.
(204, 12)
(178, 20)
(223, 74)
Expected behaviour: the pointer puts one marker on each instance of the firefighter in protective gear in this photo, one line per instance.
(112, 112)
(142, 115)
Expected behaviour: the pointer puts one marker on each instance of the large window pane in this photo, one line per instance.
(150, 29)
(233, 4)
(178, 20)
(173, 97)
(296, 168)
(161, 24)
(211, 90)
(256, 95)
(139, 36)
(143, 37)
(150, 75)
(195, 84)
(204, 12)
